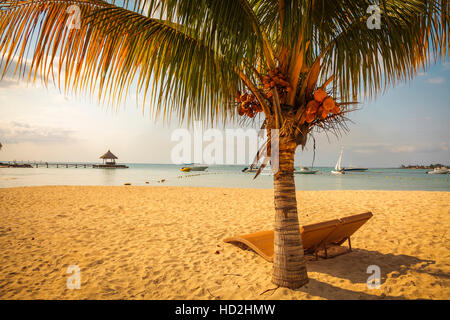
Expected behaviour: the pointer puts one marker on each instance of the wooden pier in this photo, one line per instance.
(109, 162)
(62, 165)
(24, 164)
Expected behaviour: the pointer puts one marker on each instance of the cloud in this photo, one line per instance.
(385, 148)
(436, 80)
(376, 148)
(445, 146)
(19, 77)
(18, 132)
(10, 83)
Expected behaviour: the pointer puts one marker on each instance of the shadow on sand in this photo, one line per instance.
(353, 265)
(330, 292)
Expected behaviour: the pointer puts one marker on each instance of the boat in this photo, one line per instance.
(337, 169)
(354, 169)
(305, 170)
(109, 166)
(441, 170)
(246, 170)
(193, 167)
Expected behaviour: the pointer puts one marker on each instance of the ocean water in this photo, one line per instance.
(222, 176)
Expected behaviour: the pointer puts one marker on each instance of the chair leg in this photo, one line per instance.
(349, 245)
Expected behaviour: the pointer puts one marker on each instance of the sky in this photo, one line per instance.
(409, 124)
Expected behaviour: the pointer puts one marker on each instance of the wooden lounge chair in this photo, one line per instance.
(346, 228)
(315, 237)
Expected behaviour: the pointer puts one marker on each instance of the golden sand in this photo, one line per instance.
(161, 243)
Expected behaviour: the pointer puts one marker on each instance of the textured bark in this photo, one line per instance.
(289, 265)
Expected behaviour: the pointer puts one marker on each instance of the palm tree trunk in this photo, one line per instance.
(289, 265)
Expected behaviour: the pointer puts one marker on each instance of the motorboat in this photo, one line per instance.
(441, 170)
(354, 169)
(305, 170)
(193, 167)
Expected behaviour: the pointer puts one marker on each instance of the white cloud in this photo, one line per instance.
(445, 146)
(14, 132)
(436, 80)
(377, 148)
(389, 148)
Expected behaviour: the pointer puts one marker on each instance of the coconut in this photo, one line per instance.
(336, 109)
(319, 111)
(329, 104)
(311, 107)
(256, 107)
(284, 83)
(320, 95)
(310, 117)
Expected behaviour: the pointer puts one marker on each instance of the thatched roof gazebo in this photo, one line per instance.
(109, 161)
(109, 156)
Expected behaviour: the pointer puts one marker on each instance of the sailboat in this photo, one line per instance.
(337, 169)
(305, 170)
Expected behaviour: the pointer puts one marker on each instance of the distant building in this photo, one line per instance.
(109, 162)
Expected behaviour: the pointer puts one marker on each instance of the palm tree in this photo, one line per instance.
(200, 59)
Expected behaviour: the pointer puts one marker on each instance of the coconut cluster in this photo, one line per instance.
(275, 79)
(321, 106)
(247, 104)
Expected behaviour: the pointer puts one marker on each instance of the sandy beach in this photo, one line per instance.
(166, 243)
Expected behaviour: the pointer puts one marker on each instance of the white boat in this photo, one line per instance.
(337, 169)
(441, 170)
(193, 167)
(305, 170)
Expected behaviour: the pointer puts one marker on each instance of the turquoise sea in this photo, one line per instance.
(229, 176)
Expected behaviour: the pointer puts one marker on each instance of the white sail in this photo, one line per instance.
(338, 164)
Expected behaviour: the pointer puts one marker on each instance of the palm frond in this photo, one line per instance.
(115, 49)
(367, 61)
(189, 57)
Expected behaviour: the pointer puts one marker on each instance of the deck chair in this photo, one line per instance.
(346, 228)
(315, 237)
